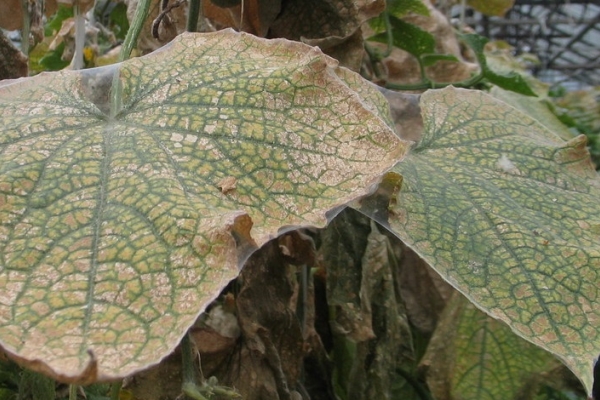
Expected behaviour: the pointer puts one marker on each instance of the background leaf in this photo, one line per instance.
(474, 357)
(408, 37)
(508, 80)
(114, 233)
(537, 109)
(399, 8)
(492, 7)
(511, 81)
(507, 212)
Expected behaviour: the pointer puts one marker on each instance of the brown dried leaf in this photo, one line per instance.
(327, 24)
(257, 15)
(13, 63)
(11, 15)
(403, 68)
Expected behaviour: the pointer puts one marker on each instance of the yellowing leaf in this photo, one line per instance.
(495, 8)
(505, 210)
(114, 234)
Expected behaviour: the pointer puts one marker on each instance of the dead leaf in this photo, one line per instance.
(11, 15)
(403, 68)
(169, 28)
(13, 63)
(255, 17)
(272, 338)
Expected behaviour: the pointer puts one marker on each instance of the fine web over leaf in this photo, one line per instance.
(116, 228)
(508, 213)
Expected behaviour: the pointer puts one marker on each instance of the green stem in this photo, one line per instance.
(188, 370)
(79, 18)
(73, 392)
(141, 12)
(416, 385)
(427, 84)
(134, 30)
(193, 14)
(375, 59)
(115, 390)
(389, 33)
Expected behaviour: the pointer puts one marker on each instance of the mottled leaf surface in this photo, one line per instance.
(507, 212)
(115, 228)
(475, 357)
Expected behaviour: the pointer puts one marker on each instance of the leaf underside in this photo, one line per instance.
(508, 213)
(115, 229)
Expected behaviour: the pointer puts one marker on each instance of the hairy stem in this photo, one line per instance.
(134, 31)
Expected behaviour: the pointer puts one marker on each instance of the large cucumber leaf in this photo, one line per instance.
(508, 212)
(125, 211)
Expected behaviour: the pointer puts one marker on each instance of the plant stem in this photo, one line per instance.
(389, 33)
(134, 30)
(188, 370)
(73, 392)
(26, 27)
(416, 385)
(77, 62)
(115, 390)
(436, 85)
(193, 14)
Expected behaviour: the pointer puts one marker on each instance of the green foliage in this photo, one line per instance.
(10, 378)
(408, 37)
(52, 60)
(36, 386)
(399, 8)
(113, 15)
(511, 81)
(580, 110)
(474, 357)
(421, 44)
(55, 23)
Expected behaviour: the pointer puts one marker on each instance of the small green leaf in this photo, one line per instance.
(408, 37)
(53, 61)
(397, 9)
(511, 81)
(505, 211)
(55, 23)
(475, 42)
(115, 229)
